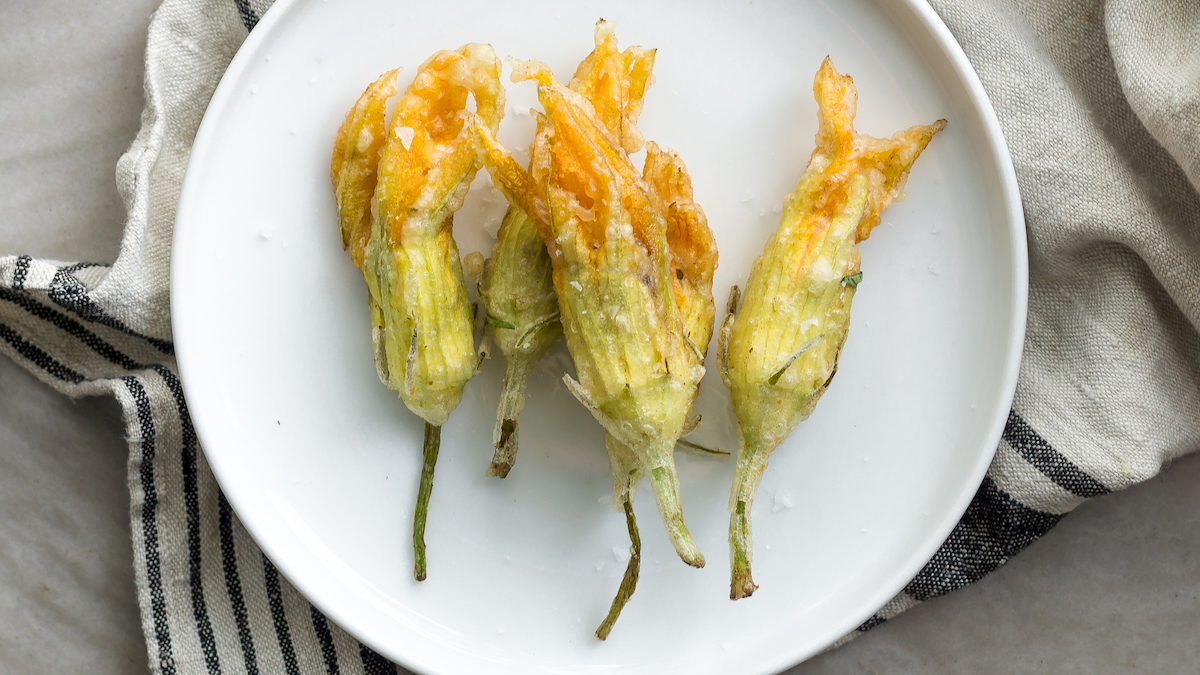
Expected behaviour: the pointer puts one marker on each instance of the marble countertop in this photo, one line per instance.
(1115, 588)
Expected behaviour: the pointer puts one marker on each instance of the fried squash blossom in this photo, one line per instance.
(517, 286)
(779, 351)
(397, 189)
(632, 263)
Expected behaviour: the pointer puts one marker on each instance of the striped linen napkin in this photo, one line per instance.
(1100, 104)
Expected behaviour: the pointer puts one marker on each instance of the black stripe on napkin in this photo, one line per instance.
(75, 267)
(158, 603)
(233, 583)
(282, 632)
(870, 623)
(1038, 452)
(68, 292)
(38, 357)
(249, 18)
(21, 271)
(373, 663)
(191, 500)
(71, 327)
(328, 649)
(994, 528)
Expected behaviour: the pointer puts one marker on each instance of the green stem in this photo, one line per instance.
(665, 484)
(629, 582)
(433, 441)
(752, 461)
(512, 401)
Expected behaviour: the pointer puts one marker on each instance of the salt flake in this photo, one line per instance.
(405, 134)
(783, 500)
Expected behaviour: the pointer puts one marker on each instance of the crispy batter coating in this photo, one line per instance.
(359, 143)
(693, 249)
(615, 83)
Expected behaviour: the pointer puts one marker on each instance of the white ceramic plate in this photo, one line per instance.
(320, 461)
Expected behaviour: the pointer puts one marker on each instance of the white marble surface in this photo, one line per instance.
(1114, 589)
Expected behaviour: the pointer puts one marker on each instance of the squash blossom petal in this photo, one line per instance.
(416, 174)
(779, 351)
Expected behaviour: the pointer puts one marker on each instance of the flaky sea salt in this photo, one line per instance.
(405, 134)
(783, 500)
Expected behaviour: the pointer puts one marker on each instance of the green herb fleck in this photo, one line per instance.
(702, 448)
(497, 323)
(797, 354)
